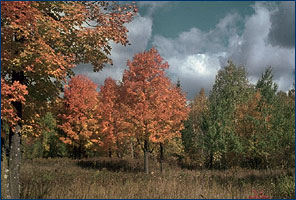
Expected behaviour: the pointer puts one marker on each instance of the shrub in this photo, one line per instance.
(285, 188)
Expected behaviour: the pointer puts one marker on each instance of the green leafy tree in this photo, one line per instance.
(196, 127)
(231, 88)
(47, 144)
(253, 127)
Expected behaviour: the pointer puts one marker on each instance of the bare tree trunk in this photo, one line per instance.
(118, 151)
(146, 157)
(161, 157)
(14, 163)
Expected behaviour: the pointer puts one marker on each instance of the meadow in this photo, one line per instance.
(104, 178)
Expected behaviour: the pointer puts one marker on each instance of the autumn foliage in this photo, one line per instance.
(114, 128)
(80, 120)
(249, 114)
(240, 124)
(146, 107)
(10, 94)
(156, 106)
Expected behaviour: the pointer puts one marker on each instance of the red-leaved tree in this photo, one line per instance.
(80, 120)
(156, 107)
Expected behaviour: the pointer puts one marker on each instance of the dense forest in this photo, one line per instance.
(49, 112)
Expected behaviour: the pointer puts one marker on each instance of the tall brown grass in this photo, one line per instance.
(117, 178)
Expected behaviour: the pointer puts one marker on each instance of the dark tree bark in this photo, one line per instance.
(110, 153)
(146, 157)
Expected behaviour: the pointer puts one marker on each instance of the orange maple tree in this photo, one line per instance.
(156, 107)
(79, 122)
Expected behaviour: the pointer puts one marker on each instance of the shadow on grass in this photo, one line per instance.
(112, 164)
(250, 177)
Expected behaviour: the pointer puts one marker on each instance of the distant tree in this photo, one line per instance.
(230, 89)
(178, 83)
(282, 134)
(46, 144)
(253, 126)
(267, 87)
(196, 126)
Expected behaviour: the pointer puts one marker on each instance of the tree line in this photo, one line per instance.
(241, 124)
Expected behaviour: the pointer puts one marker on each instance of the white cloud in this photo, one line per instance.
(194, 56)
(194, 71)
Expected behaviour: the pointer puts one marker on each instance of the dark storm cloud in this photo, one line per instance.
(282, 32)
(254, 51)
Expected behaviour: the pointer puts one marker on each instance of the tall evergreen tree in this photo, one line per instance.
(266, 86)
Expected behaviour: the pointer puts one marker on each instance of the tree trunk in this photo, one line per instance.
(14, 163)
(161, 157)
(146, 157)
(211, 161)
(110, 153)
(118, 151)
(80, 151)
(14, 148)
(132, 149)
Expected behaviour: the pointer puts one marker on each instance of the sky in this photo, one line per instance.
(198, 38)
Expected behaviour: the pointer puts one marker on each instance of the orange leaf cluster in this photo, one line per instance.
(9, 94)
(109, 109)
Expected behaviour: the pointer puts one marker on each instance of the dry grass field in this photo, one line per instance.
(117, 178)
